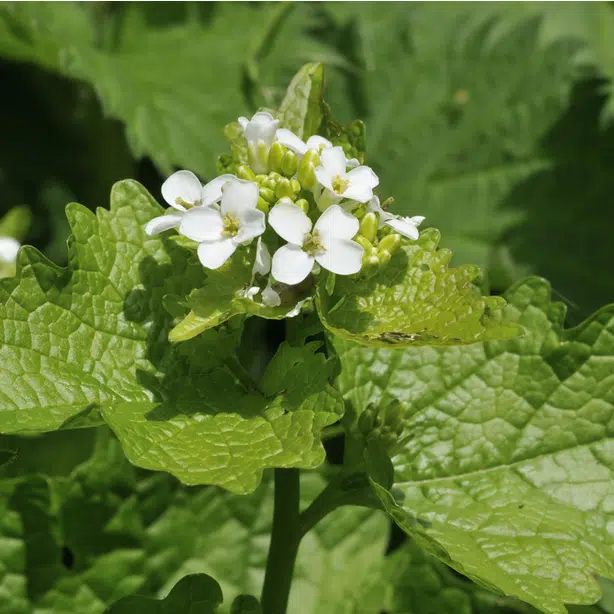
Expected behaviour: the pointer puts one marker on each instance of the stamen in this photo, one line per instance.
(312, 244)
(339, 184)
(231, 225)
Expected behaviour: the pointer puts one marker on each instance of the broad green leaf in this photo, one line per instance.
(505, 468)
(89, 342)
(194, 594)
(415, 300)
(301, 110)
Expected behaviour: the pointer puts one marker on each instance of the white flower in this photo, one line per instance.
(221, 231)
(288, 139)
(356, 184)
(330, 244)
(260, 134)
(270, 297)
(8, 249)
(406, 226)
(182, 191)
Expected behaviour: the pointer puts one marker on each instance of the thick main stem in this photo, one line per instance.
(285, 539)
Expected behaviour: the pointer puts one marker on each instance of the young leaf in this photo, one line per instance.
(90, 343)
(415, 300)
(301, 110)
(505, 467)
(194, 594)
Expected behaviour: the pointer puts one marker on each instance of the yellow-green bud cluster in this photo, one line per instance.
(307, 168)
(282, 160)
(384, 422)
(378, 249)
(273, 187)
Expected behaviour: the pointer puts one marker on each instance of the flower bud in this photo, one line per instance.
(267, 194)
(258, 156)
(270, 183)
(307, 167)
(360, 211)
(368, 226)
(260, 179)
(245, 172)
(289, 164)
(383, 256)
(389, 243)
(284, 189)
(262, 205)
(276, 156)
(365, 244)
(303, 204)
(296, 185)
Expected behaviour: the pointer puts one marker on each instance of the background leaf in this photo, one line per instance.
(504, 469)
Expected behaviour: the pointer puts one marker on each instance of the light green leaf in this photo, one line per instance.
(194, 594)
(16, 223)
(89, 342)
(301, 110)
(415, 300)
(505, 469)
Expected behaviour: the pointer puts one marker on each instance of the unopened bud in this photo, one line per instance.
(365, 244)
(284, 189)
(245, 172)
(360, 211)
(270, 183)
(258, 156)
(267, 194)
(383, 256)
(368, 226)
(390, 243)
(296, 185)
(260, 179)
(276, 156)
(262, 205)
(307, 168)
(303, 204)
(289, 164)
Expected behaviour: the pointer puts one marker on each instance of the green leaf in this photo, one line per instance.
(245, 604)
(194, 594)
(149, 72)
(16, 223)
(301, 110)
(415, 300)
(505, 467)
(87, 343)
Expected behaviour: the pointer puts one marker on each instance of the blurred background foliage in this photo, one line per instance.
(494, 120)
(491, 119)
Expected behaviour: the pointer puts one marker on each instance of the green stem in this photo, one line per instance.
(285, 539)
(321, 506)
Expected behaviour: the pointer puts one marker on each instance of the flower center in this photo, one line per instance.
(186, 204)
(231, 225)
(339, 184)
(312, 244)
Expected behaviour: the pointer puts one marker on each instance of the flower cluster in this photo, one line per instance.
(319, 205)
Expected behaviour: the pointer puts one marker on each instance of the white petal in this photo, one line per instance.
(162, 223)
(9, 248)
(363, 175)
(291, 264)
(417, 219)
(290, 222)
(249, 292)
(333, 160)
(342, 257)
(352, 163)
(238, 196)
(324, 177)
(374, 205)
(362, 181)
(316, 141)
(262, 127)
(288, 139)
(213, 254)
(270, 297)
(404, 226)
(184, 185)
(262, 262)
(212, 191)
(252, 225)
(335, 223)
(201, 224)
